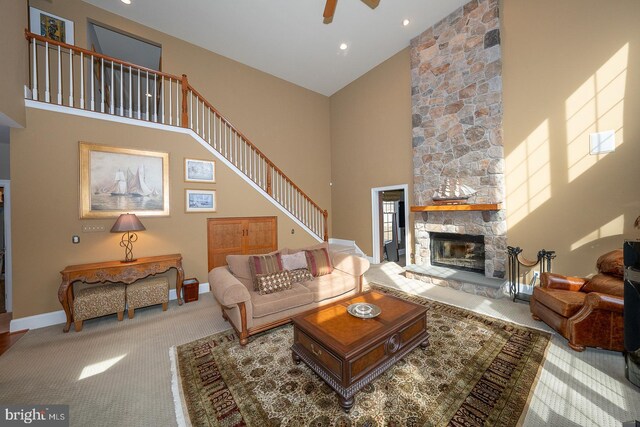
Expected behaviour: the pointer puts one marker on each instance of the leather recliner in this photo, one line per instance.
(587, 312)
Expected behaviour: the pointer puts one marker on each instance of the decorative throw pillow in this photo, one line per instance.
(611, 263)
(294, 261)
(605, 284)
(273, 282)
(300, 275)
(319, 262)
(264, 264)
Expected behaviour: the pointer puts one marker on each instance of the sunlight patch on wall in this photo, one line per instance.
(597, 105)
(100, 367)
(529, 175)
(614, 227)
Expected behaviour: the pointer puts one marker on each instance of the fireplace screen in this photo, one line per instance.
(459, 251)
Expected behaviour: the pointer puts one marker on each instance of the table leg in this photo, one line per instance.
(424, 344)
(346, 403)
(63, 297)
(295, 357)
(179, 279)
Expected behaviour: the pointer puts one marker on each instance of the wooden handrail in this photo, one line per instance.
(185, 88)
(29, 35)
(252, 145)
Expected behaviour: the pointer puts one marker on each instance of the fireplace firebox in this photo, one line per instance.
(459, 251)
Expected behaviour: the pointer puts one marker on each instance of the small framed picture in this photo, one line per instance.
(200, 200)
(51, 26)
(196, 170)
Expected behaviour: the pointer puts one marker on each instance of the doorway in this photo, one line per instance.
(390, 219)
(5, 247)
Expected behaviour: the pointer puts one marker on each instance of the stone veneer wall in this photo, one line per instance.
(456, 74)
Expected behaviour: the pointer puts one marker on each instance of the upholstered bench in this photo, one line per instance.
(98, 301)
(143, 293)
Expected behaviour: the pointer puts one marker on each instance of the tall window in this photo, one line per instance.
(388, 211)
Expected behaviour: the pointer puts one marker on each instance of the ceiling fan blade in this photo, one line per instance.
(371, 3)
(329, 9)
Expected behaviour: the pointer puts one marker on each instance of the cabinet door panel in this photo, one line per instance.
(261, 236)
(225, 237)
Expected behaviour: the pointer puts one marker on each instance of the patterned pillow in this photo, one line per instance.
(294, 261)
(264, 264)
(273, 282)
(300, 275)
(319, 262)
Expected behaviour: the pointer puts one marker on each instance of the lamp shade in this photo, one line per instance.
(127, 222)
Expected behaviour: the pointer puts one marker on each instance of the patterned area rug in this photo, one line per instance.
(477, 371)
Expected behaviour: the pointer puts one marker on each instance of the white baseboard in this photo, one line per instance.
(58, 317)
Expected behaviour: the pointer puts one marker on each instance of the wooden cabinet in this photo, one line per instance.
(240, 236)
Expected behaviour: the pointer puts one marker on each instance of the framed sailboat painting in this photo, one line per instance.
(116, 180)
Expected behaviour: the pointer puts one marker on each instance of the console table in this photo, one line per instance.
(116, 271)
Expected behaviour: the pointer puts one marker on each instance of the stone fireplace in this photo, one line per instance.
(456, 72)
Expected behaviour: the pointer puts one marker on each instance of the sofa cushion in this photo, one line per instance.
(605, 284)
(264, 264)
(239, 265)
(565, 303)
(263, 305)
(294, 261)
(331, 285)
(273, 282)
(300, 275)
(611, 263)
(319, 262)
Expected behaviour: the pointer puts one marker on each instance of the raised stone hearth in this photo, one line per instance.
(456, 71)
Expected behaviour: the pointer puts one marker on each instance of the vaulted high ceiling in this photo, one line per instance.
(287, 38)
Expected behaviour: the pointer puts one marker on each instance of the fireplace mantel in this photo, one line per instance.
(475, 207)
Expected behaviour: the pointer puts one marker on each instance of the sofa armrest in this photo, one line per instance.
(226, 288)
(558, 281)
(598, 301)
(350, 264)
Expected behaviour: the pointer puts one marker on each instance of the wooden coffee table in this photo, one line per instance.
(348, 352)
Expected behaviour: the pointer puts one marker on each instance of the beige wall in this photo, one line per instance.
(45, 205)
(281, 118)
(570, 68)
(370, 145)
(15, 62)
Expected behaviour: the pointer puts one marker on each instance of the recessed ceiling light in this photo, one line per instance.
(126, 1)
(406, 22)
(343, 46)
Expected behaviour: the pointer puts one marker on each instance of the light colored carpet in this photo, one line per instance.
(126, 374)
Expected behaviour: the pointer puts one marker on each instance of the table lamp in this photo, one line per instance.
(127, 223)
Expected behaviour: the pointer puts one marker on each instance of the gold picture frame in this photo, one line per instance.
(116, 180)
(200, 200)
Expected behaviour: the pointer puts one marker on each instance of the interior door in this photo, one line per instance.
(261, 236)
(225, 237)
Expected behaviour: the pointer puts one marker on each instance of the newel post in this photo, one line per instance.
(185, 92)
(269, 189)
(325, 214)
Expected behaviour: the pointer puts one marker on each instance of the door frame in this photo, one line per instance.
(375, 218)
(8, 282)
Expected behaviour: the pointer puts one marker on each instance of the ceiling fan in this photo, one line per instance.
(330, 8)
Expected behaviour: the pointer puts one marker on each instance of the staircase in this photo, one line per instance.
(67, 76)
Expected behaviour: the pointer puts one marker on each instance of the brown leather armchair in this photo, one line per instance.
(587, 312)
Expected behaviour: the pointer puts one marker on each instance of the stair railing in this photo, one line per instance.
(73, 77)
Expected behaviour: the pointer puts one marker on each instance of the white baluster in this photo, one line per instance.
(93, 103)
(177, 103)
(70, 78)
(209, 124)
(162, 98)
(203, 128)
(34, 81)
(81, 80)
(139, 101)
(170, 104)
(121, 90)
(59, 76)
(197, 116)
(102, 85)
(112, 108)
(130, 93)
(47, 94)
(155, 99)
(146, 95)
(190, 110)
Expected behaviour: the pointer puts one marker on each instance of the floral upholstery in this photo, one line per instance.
(99, 301)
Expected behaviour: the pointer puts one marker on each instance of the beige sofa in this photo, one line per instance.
(251, 313)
